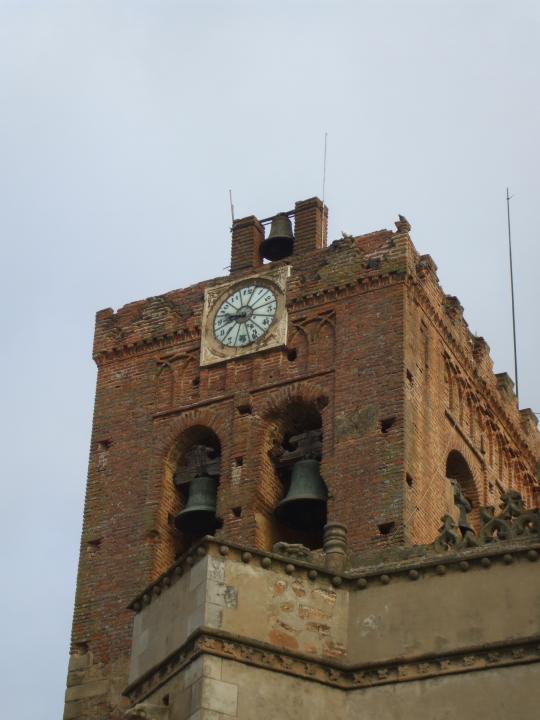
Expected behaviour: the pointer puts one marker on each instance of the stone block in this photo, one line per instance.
(193, 672)
(87, 690)
(72, 710)
(75, 678)
(212, 667)
(79, 661)
(219, 696)
(214, 615)
(216, 569)
(198, 573)
(195, 619)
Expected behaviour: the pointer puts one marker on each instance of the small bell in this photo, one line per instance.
(199, 514)
(304, 506)
(280, 241)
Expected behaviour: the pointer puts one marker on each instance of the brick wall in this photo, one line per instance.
(376, 352)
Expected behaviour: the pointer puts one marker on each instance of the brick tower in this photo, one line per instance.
(272, 454)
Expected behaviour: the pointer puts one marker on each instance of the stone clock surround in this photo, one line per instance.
(213, 351)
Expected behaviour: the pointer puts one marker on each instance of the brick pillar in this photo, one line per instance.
(247, 235)
(311, 226)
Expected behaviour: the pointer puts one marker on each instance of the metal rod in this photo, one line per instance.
(323, 187)
(232, 206)
(508, 198)
(324, 168)
(289, 213)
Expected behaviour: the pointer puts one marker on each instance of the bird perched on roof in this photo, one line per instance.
(403, 225)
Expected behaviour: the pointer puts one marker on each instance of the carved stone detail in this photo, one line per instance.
(514, 522)
(292, 550)
(147, 711)
(340, 675)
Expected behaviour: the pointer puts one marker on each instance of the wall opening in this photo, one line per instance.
(462, 493)
(386, 424)
(196, 471)
(297, 508)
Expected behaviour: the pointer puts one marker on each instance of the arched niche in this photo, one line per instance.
(164, 387)
(180, 472)
(457, 469)
(294, 417)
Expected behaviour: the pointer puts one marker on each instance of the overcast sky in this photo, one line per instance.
(124, 123)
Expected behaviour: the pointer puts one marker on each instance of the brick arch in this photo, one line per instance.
(459, 469)
(324, 339)
(473, 485)
(167, 440)
(300, 343)
(164, 386)
(461, 388)
(449, 376)
(289, 410)
(295, 392)
(188, 391)
(164, 500)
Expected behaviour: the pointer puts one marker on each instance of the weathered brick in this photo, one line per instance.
(375, 347)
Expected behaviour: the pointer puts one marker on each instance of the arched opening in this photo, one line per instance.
(296, 509)
(462, 492)
(195, 465)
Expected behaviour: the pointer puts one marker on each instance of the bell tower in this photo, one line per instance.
(277, 456)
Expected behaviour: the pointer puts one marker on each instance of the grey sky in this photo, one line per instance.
(122, 126)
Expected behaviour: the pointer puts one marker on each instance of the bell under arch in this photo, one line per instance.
(296, 512)
(194, 465)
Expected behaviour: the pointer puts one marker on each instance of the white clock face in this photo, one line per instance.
(245, 316)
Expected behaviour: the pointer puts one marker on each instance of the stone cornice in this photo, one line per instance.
(330, 672)
(428, 565)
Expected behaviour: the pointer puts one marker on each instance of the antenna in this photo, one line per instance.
(508, 198)
(324, 167)
(232, 206)
(324, 184)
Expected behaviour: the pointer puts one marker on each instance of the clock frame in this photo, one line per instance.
(212, 349)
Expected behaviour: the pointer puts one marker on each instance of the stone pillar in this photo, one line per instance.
(335, 546)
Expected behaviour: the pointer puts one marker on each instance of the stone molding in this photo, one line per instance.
(435, 561)
(339, 675)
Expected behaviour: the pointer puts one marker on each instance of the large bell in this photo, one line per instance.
(280, 240)
(304, 506)
(199, 515)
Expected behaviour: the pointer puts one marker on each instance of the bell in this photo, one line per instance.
(280, 241)
(304, 506)
(199, 515)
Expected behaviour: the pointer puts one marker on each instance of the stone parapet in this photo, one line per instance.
(388, 624)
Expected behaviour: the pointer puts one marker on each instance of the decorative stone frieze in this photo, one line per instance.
(333, 673)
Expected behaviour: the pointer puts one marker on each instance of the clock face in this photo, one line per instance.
(245, 316)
